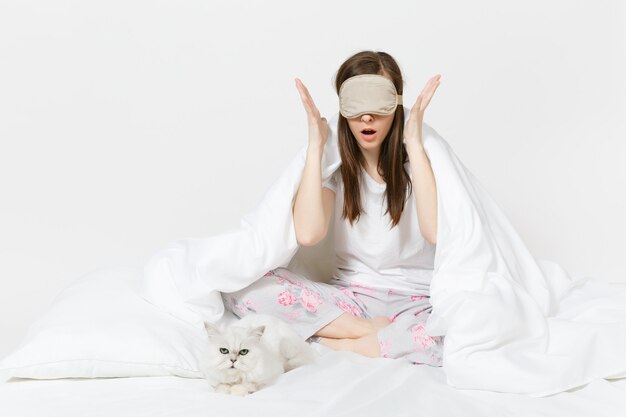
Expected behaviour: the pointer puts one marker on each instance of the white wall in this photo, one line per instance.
(125, 124)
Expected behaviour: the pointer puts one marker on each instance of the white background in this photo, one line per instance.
(125, 124)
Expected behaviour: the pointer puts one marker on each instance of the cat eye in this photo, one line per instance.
(223, 350)
(243, 352)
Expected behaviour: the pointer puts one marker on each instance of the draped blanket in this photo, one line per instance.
(512, 323)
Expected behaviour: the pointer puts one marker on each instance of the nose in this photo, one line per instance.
(233, 360)
(367, 117)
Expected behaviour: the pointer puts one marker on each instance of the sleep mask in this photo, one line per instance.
(368, 93)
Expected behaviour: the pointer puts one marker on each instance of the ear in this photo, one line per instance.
(211, 329)
(257, 331)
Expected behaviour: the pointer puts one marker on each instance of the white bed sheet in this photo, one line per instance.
(338, 384)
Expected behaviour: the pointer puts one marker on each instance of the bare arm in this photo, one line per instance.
(313, 204)
(424, 186)
(425, 191)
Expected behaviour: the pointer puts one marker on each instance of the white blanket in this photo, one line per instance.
(339, 384)
(512, 323)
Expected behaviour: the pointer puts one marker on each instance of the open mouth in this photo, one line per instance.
(368, 134)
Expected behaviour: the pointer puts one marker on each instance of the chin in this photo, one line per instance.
(369, 145)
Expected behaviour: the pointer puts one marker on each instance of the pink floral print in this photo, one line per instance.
(245, 307)
(347, 292)
(295, 284)
(384, 345)
(284, 278)
(290, 296)
(296, 295)
(286, 298)
(419, 336)
(310, 300)
(349, 308)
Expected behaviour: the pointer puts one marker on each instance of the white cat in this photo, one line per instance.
(252, 352)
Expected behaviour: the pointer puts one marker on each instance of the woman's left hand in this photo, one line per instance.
(413, 128)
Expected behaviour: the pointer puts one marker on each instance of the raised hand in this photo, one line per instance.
(413, 128)
(318, 126)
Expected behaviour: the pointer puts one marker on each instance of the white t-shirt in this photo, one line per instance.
(371, 254)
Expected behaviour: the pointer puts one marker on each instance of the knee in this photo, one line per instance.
(274, 281)
(284, 276)
(249, 298)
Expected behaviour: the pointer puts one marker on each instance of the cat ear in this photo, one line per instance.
(211, 329)
(257, 331)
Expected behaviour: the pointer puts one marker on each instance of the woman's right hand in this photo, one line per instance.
(318, 126)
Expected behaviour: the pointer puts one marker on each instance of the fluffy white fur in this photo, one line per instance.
(252, 353)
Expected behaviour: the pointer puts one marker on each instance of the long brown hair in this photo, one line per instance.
(393, 155)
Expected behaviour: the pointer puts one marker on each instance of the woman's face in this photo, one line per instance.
(379, 124)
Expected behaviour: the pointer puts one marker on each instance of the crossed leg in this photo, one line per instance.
(347, 326)
(366, 345)
(305, 304)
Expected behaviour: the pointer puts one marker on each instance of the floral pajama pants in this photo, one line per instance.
(309, 306)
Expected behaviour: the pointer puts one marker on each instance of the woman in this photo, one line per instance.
(376, 303)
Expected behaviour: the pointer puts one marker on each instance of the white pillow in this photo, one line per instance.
(100, 327)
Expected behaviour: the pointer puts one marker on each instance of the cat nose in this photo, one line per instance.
(233, 360)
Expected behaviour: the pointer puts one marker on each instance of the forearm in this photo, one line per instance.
(308, 209)
(424, 190)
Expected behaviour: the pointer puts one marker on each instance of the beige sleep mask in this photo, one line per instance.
(368, 93)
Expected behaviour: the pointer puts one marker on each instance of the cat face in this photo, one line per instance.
(234, 348)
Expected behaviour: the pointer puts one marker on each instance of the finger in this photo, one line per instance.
(419, 103)
(429, 85)
(429, 90)
(429, 95)
(435, 81)
(303, 96)
(309, 106)
(312, 108)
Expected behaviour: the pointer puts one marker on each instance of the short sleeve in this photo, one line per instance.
(331, 182)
